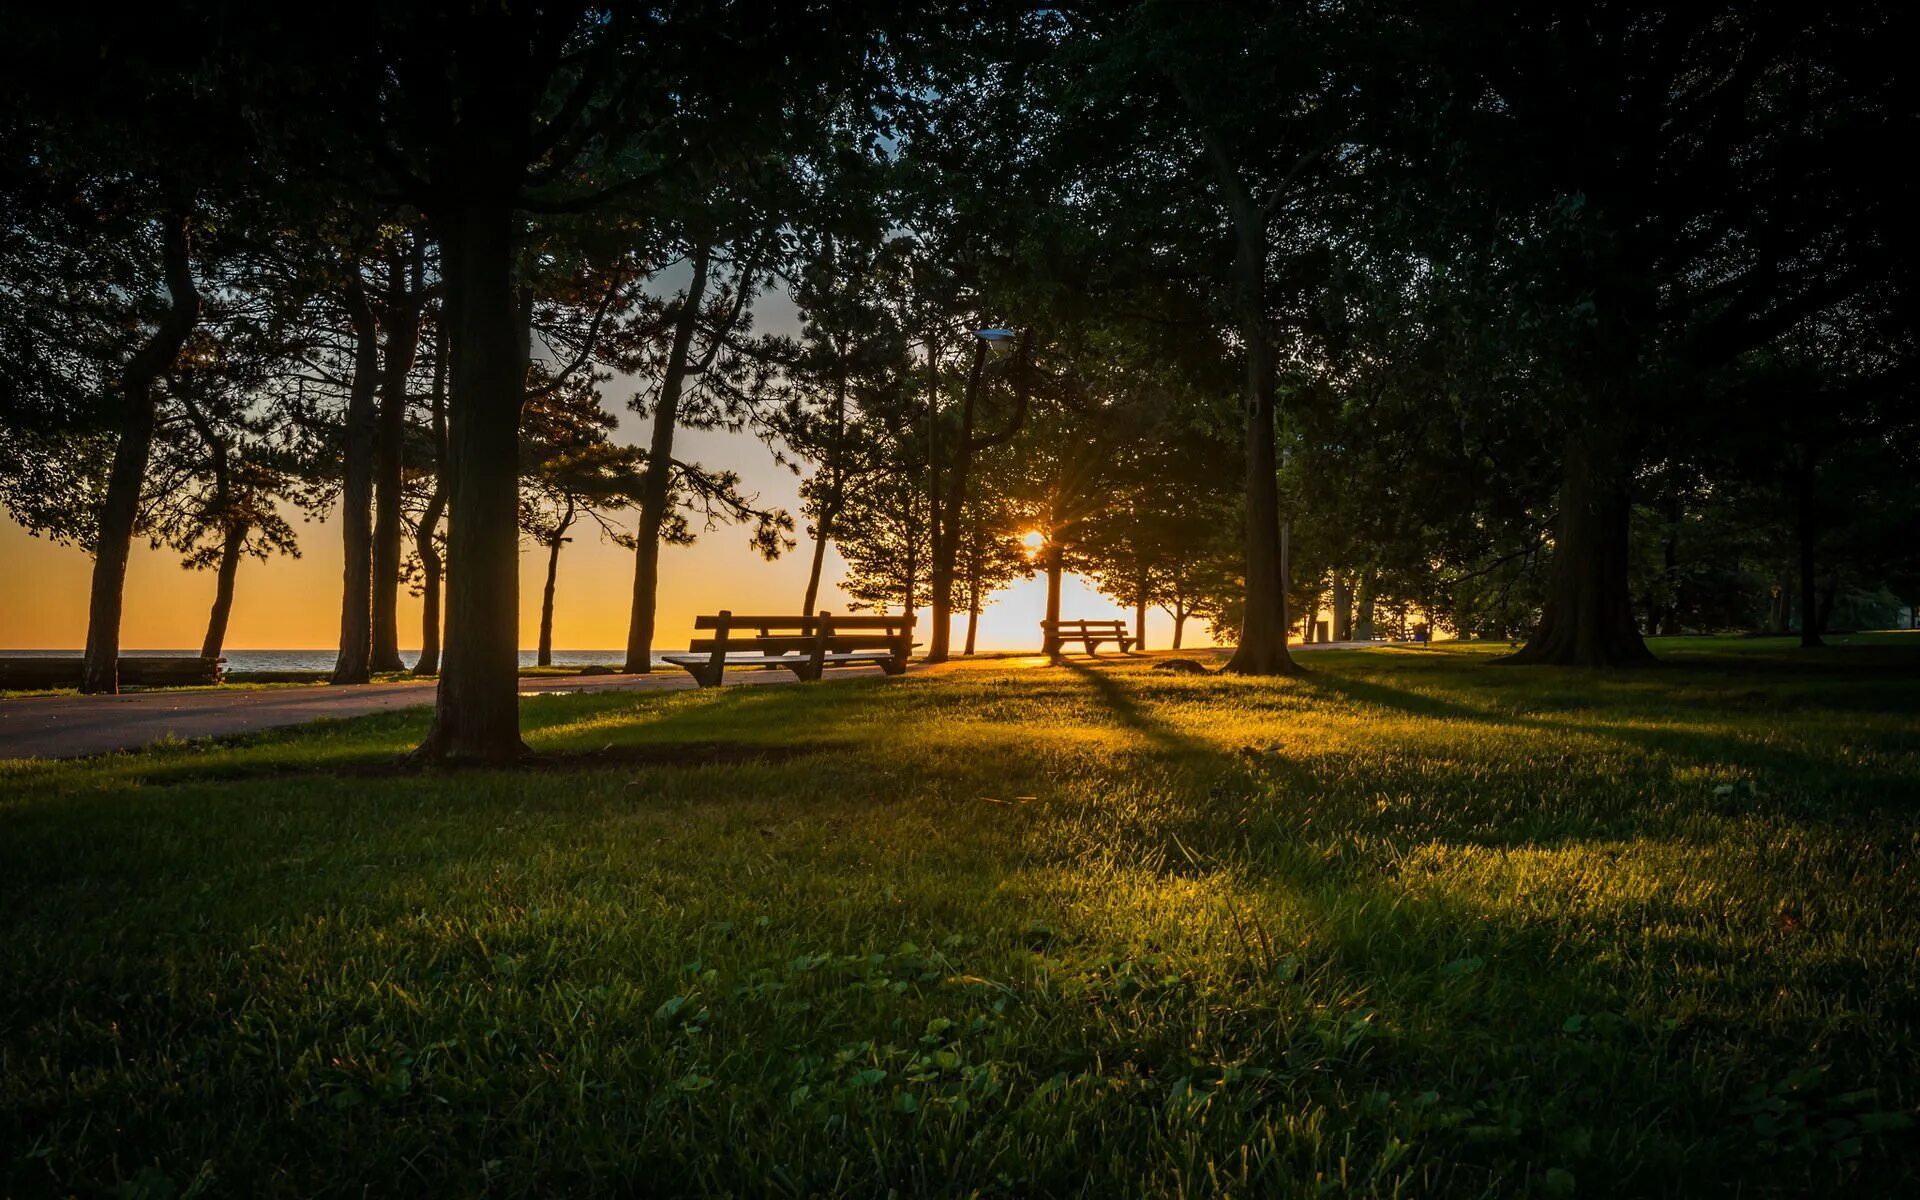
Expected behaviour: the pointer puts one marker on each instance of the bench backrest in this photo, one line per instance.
(816, 636)
(1088, 626)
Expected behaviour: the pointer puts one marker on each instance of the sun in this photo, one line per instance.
(1033, 539)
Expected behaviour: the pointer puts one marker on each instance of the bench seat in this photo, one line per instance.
(779, 660)
(805, 645)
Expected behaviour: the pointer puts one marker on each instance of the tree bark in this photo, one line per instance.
(233, 542)
(973, 614)
(120, 508)
(1263, 628)
(655, 490)
(1179, 627)
(1342, 607)
(401, 317)
(1588, 620)
(1050, 641)
(554, 542)
(477, 706)
(355, 658)
(1363, 606)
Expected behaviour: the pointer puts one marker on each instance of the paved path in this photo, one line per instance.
(69, 726)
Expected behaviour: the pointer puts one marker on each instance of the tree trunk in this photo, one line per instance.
(1808, 535)
(554, 542)
(233, 542)
(973, 614)
(1179, 626)
(1140, 616)
(1588, 620)
(477, 708)
(1363, 606)
(120, 508)
(401, 316)
(945, 526)
(1263, 627)
(655, 489)
(356, 498)
(1342, 607)
(1050, 641)
(424, 542)
(836, 467)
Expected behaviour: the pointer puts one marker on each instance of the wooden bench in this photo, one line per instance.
(804, 645)
(1088, 633)
(29, 674)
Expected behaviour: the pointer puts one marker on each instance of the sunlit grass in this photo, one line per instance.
(1410, 923)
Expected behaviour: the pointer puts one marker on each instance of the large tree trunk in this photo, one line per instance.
(120, 508)
(233, 542)
(655, 489)
(425, 542)
(477, 708)
(1588, 620)
(356, 499)
(1342, 607)
(401, 316)
(1050, 639)
(554, 542)
(1263, 627)
(1140, 616)
(1363, 606)
(1179, 626)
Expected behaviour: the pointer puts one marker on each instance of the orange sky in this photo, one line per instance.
(295, 603)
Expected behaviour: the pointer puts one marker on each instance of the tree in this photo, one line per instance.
(702, 378)
(519, 112)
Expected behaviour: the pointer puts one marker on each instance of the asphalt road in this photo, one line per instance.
(71, 726)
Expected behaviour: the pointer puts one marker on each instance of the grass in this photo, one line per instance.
(1411, 924)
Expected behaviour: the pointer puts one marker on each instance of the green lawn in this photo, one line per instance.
(1411, 924)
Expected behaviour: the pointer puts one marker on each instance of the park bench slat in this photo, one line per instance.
(1088, 633)
(804, 644)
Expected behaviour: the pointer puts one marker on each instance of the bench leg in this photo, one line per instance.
(894, 666)
(804, 671)
(703, 674)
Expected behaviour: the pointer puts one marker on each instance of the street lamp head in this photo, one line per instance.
(1000, 341)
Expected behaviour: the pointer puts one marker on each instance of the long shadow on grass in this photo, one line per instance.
(1865, 791)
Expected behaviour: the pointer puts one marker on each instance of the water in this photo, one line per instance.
(322, 660)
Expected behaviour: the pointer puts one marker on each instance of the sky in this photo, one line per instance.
(294, 604)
